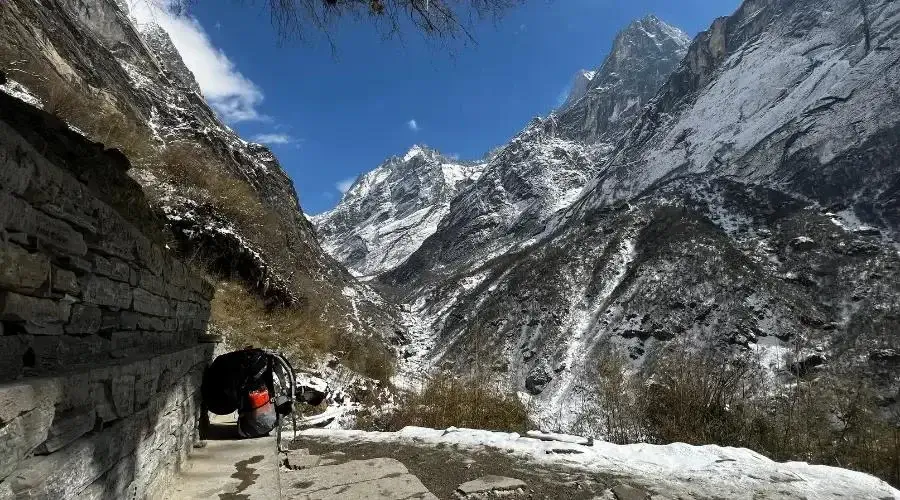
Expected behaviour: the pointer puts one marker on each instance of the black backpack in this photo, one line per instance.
(232, 376)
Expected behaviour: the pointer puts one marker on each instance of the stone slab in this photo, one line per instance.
(356, 471)
(84, 320)
(66, 428)
(490, 484)
(35, 311)
(65, 281)
(229, 468)
(22, 271)
(395, 487)
(149, 303)
(300, 459)
(22, 435)
(106, 292)
(54, 233)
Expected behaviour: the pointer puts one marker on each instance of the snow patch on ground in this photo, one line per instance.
(675, 469)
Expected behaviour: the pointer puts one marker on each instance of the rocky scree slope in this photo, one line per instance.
(751, 208)
(90, 54)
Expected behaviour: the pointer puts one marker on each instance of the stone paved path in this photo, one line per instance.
(228, 468)
(313, 477)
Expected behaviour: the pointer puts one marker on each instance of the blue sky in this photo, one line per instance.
(330, 116)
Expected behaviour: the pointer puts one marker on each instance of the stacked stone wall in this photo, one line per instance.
(101, 352)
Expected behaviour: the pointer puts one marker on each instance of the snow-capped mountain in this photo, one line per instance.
(390, 211)
(539, 172)
(543, 169)
(746, 200)
(643, 55)
(741, 212)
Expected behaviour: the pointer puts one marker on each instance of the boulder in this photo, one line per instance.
(489, 486)
(802, 243)
(537, 379)
(626, 492)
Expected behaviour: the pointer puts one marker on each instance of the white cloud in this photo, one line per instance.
(344, 185)
(230, 93)
(274, 139)
(453, 156)
(413, 125)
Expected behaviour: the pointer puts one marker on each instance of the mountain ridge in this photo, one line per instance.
(724, 213)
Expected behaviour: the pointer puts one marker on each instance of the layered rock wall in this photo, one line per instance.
(101, 356)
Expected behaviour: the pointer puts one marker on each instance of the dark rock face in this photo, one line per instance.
(537, 379)
(642, 57)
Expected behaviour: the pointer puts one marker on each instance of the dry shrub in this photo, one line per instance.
(699, 398)
(244, 320)
(829, 418)
(190, 168)
(616, 410)
(364, 355)
(99, 118)
(471, 402)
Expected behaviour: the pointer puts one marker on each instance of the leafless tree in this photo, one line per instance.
(436, 19)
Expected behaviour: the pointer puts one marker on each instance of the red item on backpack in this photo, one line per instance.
(258, 398)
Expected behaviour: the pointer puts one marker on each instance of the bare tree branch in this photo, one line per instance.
(436, 19)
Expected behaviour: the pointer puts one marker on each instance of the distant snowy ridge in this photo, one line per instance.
(387, 213)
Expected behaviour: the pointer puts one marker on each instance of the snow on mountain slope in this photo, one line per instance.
(765, 99)
(712, 224)
(390, 211)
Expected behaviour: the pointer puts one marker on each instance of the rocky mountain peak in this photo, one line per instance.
(389, 211)
(643, 55)
(580, 84)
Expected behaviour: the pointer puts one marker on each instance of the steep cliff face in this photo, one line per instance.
(390, 211)
(227, 202)
(643, 55)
